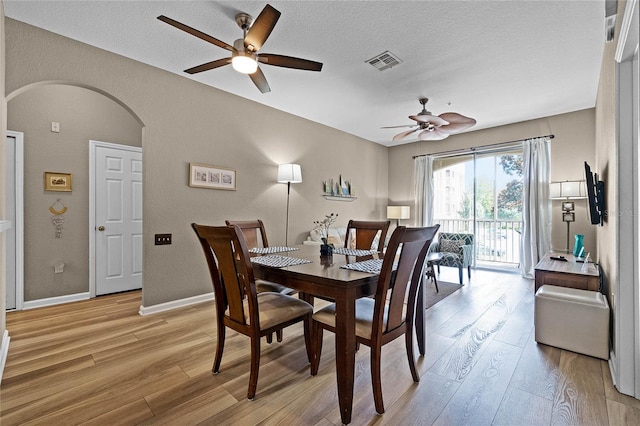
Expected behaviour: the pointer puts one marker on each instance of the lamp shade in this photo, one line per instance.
(289, 173)
(398, 212)
(568, 190)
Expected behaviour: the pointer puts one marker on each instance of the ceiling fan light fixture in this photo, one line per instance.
(244, 62)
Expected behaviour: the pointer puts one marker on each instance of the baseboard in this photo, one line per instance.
(4, 351)
(51, 301)
(175, 304)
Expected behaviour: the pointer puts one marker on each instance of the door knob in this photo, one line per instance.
(100, 228)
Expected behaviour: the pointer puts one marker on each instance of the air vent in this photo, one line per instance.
(384, 61)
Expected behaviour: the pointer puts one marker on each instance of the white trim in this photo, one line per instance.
(19, 206)
(625, 357)
(58, 300)
(4, 351)
(628, 40)
(175, 304)
(612, 368)
(92, 205)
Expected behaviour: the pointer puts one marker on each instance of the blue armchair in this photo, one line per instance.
(456, 251)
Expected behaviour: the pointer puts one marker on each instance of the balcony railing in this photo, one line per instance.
(495, 240)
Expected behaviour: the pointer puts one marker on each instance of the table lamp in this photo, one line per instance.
(566, 191)
(398, 212)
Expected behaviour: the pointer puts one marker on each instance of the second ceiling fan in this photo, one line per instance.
(244, 52)
(434, 128)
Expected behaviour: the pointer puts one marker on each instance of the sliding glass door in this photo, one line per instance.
(481, 194)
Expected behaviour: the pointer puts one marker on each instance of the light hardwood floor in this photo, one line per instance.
(99, 362)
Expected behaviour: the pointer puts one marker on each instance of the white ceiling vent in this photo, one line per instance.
(384, 61)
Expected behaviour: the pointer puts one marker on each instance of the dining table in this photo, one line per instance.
(326, 277)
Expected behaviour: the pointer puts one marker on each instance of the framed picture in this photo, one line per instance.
(55, 181)
(212, 177)
(568, 206)
(568, 217)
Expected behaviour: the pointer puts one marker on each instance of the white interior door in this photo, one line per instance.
(14, 214)
(118, 218)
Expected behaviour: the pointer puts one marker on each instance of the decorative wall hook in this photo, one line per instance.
(58, 208)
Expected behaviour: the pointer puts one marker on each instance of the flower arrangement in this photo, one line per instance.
(324, 225)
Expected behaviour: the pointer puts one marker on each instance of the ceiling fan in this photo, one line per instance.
(244, 52)
(434, 128)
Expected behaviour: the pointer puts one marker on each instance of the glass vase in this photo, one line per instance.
(578, 247)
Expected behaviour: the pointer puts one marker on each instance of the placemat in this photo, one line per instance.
(269, 250)
(371, 266)
(353, 252)
(279, 261)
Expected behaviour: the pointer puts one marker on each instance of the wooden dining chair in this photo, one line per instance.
(255, 236)
(365, 233)
(391, 313)
(238, 305)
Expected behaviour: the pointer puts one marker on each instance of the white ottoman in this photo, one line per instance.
(572, 319)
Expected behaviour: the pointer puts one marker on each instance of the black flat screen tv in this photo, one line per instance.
(595, 194)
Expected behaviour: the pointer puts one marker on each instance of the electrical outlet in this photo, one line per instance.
(163, 239)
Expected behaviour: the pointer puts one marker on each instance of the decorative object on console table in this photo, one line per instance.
(398, 212)
(578, 247)
(565, 191)
(341, 190)
(289, 173)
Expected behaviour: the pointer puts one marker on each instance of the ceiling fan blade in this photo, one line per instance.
(209, 66)
(398, 127)
(260, 81)
(403, 135)
(457, 122)
(289, 62)
(261, 28)
(432, 135)
(197, 33)
(426, 118)
(455, 127)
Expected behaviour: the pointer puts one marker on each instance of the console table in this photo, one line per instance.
(566, 274)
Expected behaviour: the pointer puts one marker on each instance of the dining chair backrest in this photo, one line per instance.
(255, 236)
(253, 232)
(231, 271)
(402, 271)
(365, 233)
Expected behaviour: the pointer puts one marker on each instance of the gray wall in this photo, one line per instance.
(83, 115)
(573, 144)
(185, 121)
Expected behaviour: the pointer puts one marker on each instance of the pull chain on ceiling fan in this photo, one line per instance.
(434, 128)
(244, 52)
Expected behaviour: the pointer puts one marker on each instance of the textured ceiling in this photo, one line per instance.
(499, 62)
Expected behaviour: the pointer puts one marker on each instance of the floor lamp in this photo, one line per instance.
(567, 191)
(289, 173)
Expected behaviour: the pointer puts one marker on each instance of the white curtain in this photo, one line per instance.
(424, 190)
(536, 206)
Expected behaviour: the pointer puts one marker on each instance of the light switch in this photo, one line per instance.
(55, 127)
